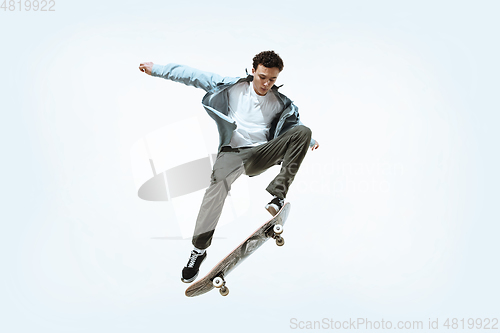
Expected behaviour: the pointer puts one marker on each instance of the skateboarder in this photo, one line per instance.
(258, 127)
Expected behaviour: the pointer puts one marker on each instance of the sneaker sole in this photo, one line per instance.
(190, 280)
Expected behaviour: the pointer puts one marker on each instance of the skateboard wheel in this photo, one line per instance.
(224, 290)
(278, 229)
(280, 241)
(218, 282)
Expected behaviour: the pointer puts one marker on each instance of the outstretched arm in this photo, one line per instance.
(186, 75)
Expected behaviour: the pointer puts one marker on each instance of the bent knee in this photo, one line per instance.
(303, 130)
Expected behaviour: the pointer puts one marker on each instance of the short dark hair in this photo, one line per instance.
(268, 59)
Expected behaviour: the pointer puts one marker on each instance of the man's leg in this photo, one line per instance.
(227, 168)
(290, 148)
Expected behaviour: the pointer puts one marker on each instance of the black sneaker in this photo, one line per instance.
(190, 271)
(275, 205)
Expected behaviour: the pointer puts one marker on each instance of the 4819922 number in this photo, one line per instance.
(471, 323)
(28, 5)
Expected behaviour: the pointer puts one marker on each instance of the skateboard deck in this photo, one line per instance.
(216, 277)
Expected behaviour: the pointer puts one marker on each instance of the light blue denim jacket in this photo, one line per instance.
(216, 103)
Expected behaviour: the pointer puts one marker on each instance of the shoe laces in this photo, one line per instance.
(192, 259)
(278, 201)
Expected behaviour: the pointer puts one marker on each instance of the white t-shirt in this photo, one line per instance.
(252, 113)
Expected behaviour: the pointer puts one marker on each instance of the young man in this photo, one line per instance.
(258, 128)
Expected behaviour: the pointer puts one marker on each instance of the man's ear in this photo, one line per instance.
(253, 70)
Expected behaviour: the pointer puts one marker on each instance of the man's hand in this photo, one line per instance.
(316, 145)
(146, 67)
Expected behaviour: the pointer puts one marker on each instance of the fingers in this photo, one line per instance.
(146, 67)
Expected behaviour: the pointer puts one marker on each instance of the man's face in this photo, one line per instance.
(264, 78)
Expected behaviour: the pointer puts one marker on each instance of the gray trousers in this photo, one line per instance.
(290, 148)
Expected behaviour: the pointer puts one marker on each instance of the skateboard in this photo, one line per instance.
(216, 277)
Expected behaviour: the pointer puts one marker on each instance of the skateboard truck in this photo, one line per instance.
(219, 283)
(275, 233)
(278, 229)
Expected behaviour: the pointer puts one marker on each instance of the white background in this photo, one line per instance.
(393, 218)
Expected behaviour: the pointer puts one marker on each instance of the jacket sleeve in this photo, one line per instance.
(299, 122)
(189, 76)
